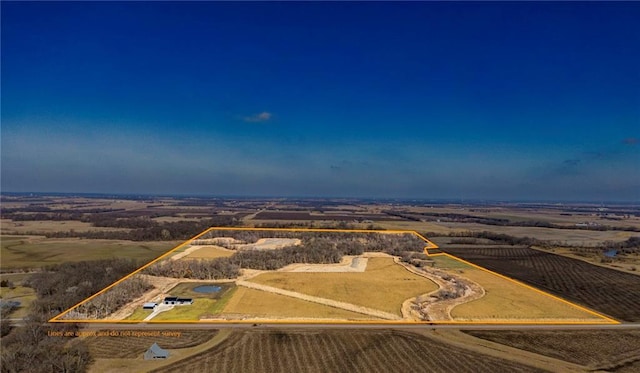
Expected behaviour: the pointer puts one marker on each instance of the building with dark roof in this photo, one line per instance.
(155, 352)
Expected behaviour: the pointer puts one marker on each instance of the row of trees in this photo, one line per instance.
(61, 286)
(153, 230)
(111, 300)
(464, 218)
(315, 248)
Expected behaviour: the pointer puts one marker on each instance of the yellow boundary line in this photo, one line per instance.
(430, 245)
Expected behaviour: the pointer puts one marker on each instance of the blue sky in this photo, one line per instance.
(535, 100)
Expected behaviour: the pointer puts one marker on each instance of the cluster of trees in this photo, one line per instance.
(631, 245)
(203, 269)
(31, 347)
(315, 248)
(61, 286)
(111, 300)
(497, 238)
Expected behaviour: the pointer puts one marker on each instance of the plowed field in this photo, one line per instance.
(352, 351)
(611, 292)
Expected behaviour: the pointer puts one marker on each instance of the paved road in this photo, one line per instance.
(355, 326)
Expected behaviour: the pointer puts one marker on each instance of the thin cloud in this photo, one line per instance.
(256, 118)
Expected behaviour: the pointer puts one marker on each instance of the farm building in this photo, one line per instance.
(149, 306)
(155, 352)
(178, 301)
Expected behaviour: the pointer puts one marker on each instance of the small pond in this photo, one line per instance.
(207, 289)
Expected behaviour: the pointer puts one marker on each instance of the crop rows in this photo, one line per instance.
(338, 351)
(596, 348)
(612, 292)
(109, 347)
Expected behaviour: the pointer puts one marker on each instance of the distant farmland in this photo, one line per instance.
(303, 215)
(605, 290)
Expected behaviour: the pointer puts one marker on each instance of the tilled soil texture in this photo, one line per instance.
(352, 351)
(109, 347)
(611, 292)
(608, 350)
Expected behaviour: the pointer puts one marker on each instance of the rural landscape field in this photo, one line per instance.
(349, 280)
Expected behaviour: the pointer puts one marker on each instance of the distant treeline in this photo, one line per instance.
(149, 230)
(463, 218)
(315, 248)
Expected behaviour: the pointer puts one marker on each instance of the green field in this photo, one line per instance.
(19, 252)
(21, 294)
(205, 305)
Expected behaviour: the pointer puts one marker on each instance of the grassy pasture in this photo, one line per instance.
(255, 303)
(205, 305)
(139, 314)
(22, 294)
(210, 252)
(506, 300)
(31, 251)
(383, 286)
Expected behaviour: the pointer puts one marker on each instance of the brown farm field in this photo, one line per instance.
(383, 286)
(598, 349)
(126, 345)
(352, 351)
(50, 226)
(611, 292)
(36, 251)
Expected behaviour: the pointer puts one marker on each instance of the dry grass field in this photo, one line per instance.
(383, 286)
(612, 292)
(353, 351)
(609, 350)
(50, 226)
(209, 252)
(506, 300)
(251, 303)
(35, 251)
(576, 237)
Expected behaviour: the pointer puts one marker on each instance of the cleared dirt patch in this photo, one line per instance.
(348, 264)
